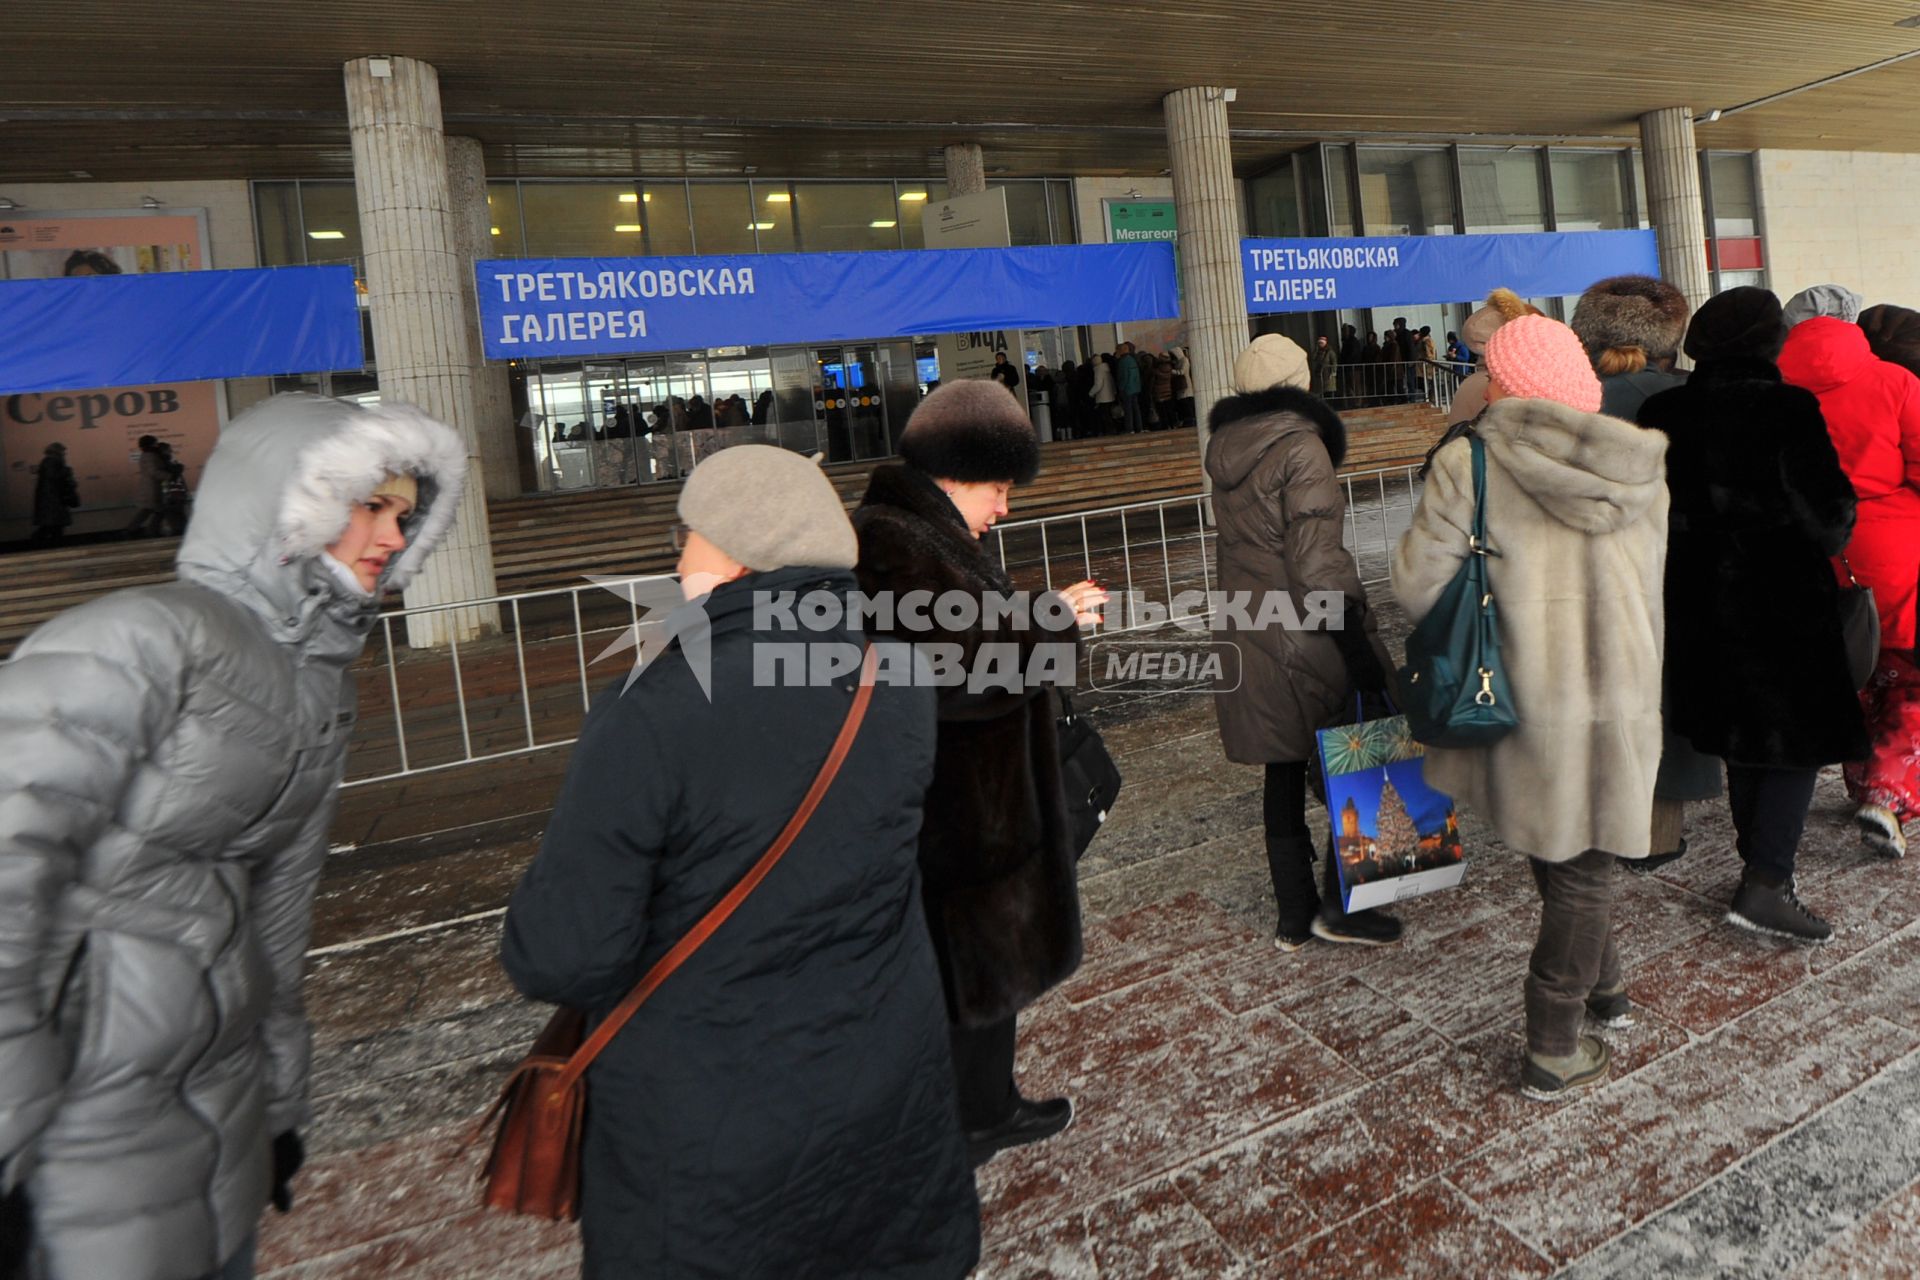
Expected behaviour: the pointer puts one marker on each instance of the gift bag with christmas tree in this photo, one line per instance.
(1394, 836)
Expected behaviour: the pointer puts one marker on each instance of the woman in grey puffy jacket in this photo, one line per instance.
(169, 758)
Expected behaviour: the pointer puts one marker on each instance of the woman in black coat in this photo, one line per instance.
(1756, 666)
(782, 1105)
(996, 852)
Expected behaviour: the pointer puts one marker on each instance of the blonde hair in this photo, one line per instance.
(1617, 360)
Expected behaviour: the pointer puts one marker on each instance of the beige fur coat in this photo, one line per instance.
(1577, 510)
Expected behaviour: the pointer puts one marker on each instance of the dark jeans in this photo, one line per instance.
(983, 1073)
(1769, 813)
(1575, 954)
(1130, 406)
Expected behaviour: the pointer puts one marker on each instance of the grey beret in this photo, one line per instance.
(769, 508)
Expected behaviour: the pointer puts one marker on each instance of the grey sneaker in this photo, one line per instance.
(1551, 1079)
(1611, 1009)
(1776, 912)
(1880, 828)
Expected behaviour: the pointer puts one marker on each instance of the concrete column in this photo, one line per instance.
(1673, 199)
(473, 238)
(966, 169)
(420, 333)
(1213, 292)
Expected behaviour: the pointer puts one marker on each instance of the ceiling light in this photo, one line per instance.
(627, 197)
(779, 197)
(80, 173)
(495, 230)
(628, 228)
(912, 195)
(883, 223)
(149, 202)
(326, 235)
(759, 226)
(8, 203)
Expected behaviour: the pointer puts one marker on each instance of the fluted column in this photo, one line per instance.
(1212, 289)
(472, 239)
(966, 169)
(1673, 200)
(421, 347)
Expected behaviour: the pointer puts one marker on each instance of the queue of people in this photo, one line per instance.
(810, 1092)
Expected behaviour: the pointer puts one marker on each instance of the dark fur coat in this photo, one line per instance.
(1756, 668)
(996, 852)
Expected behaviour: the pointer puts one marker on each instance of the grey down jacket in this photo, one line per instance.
(169, 757)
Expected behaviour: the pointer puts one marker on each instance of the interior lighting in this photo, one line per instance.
(627, 228)
(906, 196)
(326, 235)
(759, 226)
(883, 223)
(495, 230)
(779, 197)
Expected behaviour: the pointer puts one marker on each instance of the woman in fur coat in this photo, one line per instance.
(1632, 327)
(1576, 517)
(1280, 511)
(1756, 667)
(996, 849)
(1872, 411)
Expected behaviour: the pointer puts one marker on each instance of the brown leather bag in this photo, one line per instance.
(534, 1167)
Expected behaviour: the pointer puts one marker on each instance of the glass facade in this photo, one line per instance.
(1589, 190)
(1730, 194)
(1406, 191)
(1501, 190)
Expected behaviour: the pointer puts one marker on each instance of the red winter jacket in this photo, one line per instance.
(1873, 415)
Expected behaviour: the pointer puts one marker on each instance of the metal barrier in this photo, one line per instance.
(1361, 386)
(515, 695)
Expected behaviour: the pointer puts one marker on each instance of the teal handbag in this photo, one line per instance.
(1454, 686)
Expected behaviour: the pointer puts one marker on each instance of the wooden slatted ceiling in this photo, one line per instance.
(602, 86)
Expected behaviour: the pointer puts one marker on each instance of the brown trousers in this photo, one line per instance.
(1574, 955)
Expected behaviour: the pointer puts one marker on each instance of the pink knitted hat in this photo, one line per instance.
(1535, 358)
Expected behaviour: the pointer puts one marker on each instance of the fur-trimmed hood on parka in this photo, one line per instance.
(1591, 472)
(280, 487)
(1245, 427)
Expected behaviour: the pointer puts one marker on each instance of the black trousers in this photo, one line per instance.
(1284, 801)
(1769, 814)
(983, 1072)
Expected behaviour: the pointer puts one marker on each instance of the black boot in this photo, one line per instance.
(1290, 863)
(1367, 928)
(1029, 1121)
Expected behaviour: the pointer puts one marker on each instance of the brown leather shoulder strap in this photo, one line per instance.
(714, 918)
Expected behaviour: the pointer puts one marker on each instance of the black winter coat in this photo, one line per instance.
(996, 853)
(784, 1105)
(1756, 668)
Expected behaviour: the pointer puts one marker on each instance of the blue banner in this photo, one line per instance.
(612, 306)
(1405, 271)
(181, 326)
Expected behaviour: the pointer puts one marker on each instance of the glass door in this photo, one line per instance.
(850, 393)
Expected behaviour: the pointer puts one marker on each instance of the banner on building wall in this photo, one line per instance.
(55, 245)
(1394, 271)
(617, 306)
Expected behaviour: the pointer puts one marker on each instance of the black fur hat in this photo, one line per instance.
(1743, 323)
(974, 431)
(1631, 311)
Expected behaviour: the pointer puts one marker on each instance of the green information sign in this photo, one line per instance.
(1133, 220)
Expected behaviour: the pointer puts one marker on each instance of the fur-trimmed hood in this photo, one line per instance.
(1245, 426)
(281, 485)
(1591, 472)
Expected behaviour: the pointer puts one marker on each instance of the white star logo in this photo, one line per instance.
(660, 617)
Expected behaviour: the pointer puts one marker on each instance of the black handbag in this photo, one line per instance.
(1860, 626)
(1089, 775)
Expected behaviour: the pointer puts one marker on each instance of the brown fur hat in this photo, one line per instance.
(1501, 306)
(1631, 311)
(972, 430)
